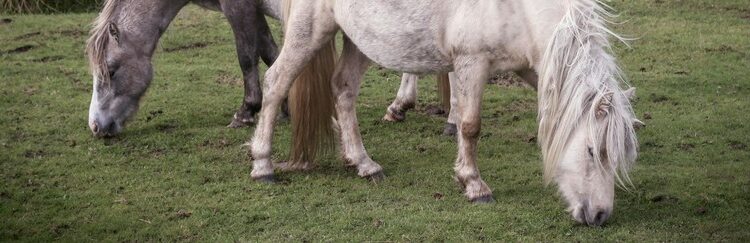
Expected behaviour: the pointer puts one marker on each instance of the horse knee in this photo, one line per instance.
(470, 129)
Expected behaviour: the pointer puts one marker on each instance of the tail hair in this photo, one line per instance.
(311, 104)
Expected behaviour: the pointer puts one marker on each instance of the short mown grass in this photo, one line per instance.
(178, 173)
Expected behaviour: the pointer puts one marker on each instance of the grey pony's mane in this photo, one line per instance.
(97, 43)
(578, 78)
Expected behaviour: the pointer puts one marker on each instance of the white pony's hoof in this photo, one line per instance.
(376, 177)
(482, 199)
(394, 116)
(268, 179)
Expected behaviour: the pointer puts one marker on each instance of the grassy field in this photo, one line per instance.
(178, 173)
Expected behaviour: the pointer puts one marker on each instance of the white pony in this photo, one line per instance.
(585, 118)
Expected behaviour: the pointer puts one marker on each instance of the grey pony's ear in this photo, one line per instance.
(630, 93)
(113, 31)
(605, 103)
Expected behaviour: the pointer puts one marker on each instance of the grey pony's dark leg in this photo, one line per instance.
(246, 20)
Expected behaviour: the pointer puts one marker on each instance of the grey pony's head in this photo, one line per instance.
(122, 72)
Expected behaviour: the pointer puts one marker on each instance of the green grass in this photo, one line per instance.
(182, 175)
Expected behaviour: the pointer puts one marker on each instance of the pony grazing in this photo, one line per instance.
(124, 38)
(585, 118)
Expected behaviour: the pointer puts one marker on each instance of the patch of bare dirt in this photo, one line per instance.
(48, 59)
(20, 49)
(27, 35)
(737, 145)
(167, 127)
(153, 114)
(664, 199)
(508, 79)
(182, 214)
(434, 110)
(71, 33)
(187, 47)
(229, 79)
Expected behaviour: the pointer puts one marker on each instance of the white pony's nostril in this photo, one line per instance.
(95, 127)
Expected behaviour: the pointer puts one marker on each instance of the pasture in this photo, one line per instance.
(178, 173)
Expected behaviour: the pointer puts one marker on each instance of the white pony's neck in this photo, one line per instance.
(577, 71)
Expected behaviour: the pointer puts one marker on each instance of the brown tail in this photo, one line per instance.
(444, 91)
(311, 105)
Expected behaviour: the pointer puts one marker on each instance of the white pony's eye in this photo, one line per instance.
(591, 151)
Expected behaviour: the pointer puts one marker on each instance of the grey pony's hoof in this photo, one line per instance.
(450, 129)
(376, 177)
(268, 179)
(483, 199)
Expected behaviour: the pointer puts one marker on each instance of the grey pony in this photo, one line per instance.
(123, 41)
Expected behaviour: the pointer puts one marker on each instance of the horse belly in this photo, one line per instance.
(394, 35)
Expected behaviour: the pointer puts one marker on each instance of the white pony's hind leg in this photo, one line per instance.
(472, 75)
(346, 81)
(295, 54)
(450, 125)
(405, 98)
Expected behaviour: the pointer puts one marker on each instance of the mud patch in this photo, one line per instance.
(71, 33)
(27, 35)
(6, 21)
(229, 79)
(48, 59)
(659, 98)
(182, 214)
(508, 79)
(220, 143)
(167, 127)
(664, 199)
(434, 110)
(187, 47)
(35, 154)
(59, 229)
(153, 114)
(30, 90)
(21, 49)
(737, 145)
(686, 146)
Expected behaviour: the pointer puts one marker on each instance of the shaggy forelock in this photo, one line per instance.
(96, 45)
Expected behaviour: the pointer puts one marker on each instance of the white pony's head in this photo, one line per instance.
(597, 155)
(586, 121)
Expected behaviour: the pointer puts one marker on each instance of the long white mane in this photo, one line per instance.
(578, 78)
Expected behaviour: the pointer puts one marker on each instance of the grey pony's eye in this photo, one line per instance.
(591, 151)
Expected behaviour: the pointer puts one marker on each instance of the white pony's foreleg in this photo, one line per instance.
(346, 81)
(471, 76)
(406, 98)
(295, 54)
